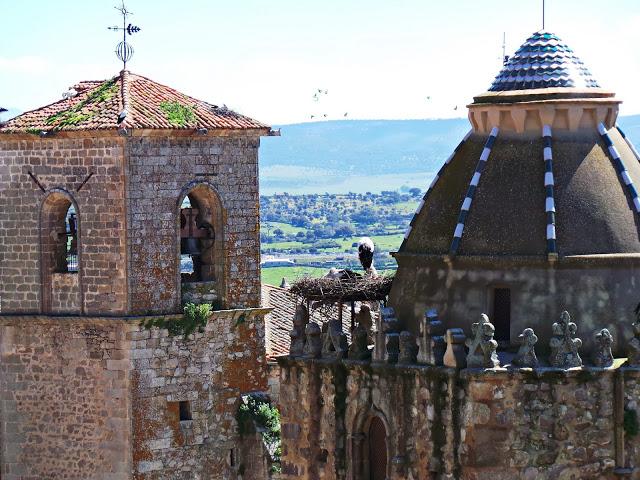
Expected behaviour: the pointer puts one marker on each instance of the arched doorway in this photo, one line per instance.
(377, 449)
(60, 254)
(201, 246)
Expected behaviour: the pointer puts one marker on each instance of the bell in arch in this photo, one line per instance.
(189, 246)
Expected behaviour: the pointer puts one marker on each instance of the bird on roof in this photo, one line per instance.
(72, 92)
(121, 116)
(365, 255)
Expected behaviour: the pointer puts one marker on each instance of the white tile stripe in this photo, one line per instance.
(475, 180)
(548, 179)
(433, 183)
(614, 152)
(551, 232)
(630, 145)
(624, 174)
(550, 205)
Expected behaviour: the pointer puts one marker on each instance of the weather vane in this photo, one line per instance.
(124, 51)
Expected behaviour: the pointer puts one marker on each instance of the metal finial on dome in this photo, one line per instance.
(124, 50)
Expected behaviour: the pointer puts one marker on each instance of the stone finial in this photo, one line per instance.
(391, 347)
(564, 348)
(526, 356)
(603, 357)
(431, 341)
(313, 344)
(408, 348)
(334, 341)
(297, 334)
(482, 347)
(387, 343)
(633, 350)
(455, 355)
(359, 348)
(364, 318)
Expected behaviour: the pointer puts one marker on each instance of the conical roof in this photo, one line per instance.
(99, 105)
(543, 61)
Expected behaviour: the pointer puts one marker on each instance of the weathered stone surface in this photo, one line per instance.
(472, 424)
(526, 356)
(633, 349)
(334, 340)
(432, 344)
(455, 356)
(602, 356)
(359, 348)
(482, 346)
(408, 348)
(297, 334)
(564, 348)
(313, 342)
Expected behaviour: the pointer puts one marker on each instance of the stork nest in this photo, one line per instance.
(335, 290)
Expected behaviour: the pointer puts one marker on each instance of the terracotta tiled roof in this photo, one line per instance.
(279, 322)
(148, 105)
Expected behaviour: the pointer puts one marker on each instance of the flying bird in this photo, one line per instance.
(345, 114)
(3, 110)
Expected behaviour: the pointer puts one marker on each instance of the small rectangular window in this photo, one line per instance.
(185, 411)
(501, 317)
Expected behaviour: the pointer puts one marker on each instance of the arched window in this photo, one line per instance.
(201, 244)
(59, 241)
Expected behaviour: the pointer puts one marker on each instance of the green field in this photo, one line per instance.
(274, 275)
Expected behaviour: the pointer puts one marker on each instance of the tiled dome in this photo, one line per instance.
(543, 61)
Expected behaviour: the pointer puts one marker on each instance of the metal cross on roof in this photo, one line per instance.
(124, 50)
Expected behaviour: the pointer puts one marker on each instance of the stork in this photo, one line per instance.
(365, 255)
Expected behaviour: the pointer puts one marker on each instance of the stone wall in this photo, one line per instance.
(443, 423)
(65, 406)
(62, 164)
(161, 171)
(598, 292)
(65, 293)
(100, 398)
(209, 372)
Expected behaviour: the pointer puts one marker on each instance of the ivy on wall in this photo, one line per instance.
(255, 411)
(194, 318)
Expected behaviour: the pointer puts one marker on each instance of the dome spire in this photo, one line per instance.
(543, 61)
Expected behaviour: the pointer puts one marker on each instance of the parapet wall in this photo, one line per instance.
(443, 423)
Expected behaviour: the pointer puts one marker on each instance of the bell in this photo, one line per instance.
(189, 246)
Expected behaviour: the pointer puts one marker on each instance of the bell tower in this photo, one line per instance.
(119, 204)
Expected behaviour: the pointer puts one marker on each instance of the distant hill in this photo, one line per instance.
(361, 155)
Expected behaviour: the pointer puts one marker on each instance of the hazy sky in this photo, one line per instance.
(265, 58)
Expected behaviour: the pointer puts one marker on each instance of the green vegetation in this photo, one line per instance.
(74, 115)
(194, 317)
(274, 275)
(255, 411)
(177, 113)
(318, 232)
